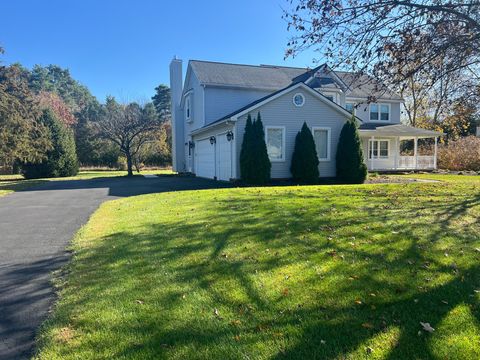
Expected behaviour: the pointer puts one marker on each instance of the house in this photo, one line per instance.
(210, 108)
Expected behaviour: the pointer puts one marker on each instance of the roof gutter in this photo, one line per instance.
(211, 126)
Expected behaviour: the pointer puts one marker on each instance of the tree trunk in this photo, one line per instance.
(129, 164)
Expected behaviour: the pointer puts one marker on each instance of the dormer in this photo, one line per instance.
(325, 81)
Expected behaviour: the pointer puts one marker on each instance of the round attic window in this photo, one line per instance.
(298, 100)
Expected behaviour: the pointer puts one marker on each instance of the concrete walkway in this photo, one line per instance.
(36, 226)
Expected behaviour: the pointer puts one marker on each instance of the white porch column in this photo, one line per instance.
(370, 152)
(397, 150)
(435, 154)
(415, 151)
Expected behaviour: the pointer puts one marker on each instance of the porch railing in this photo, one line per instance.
(416, 163)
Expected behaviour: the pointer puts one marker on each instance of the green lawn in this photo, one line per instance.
(318, 272)
(11, 183)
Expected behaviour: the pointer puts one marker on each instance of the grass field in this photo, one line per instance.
(317, 272)
(12, 183)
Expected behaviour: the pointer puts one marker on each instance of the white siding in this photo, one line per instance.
(363, 112)
(220, 102)
(282, 112)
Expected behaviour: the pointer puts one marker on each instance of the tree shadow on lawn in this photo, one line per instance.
(249, 251)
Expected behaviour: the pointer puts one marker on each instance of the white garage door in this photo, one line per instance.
(205, 159)
(224, 158)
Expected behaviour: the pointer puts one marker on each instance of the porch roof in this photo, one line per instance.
(372, 129)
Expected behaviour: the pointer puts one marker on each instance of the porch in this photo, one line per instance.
(396, 147)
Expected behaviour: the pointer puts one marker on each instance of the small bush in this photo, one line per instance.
(61, 161)
(351, 167)
(305, 162)
(462, 154)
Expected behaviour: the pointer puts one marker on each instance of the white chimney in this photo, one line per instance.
(176, 90)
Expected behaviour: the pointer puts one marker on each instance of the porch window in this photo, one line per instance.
(322, 143)
(378, 149)
(275, 140)
(379, 112)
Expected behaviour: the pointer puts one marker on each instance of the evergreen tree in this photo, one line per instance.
(254, 162)
(61, 160)
(351, 167)
(262, 167)
(246, 153)
(305, 162)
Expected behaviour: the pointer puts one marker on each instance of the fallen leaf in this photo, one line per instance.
(358, 302)
(427, 327)
(237, 337)
(285, 292)
(367, 325)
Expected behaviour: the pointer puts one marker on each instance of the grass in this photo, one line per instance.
(12, 183)
(317, 272)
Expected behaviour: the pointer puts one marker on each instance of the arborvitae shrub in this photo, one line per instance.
(255, 165)
(304, 167)
(351, 168)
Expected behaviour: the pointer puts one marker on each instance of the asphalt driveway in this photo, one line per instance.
(36, 226)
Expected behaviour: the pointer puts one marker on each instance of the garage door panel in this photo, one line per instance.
(205, 159)
(224, 158)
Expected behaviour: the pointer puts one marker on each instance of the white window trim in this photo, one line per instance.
(378, 157)
(329, 141)
(303, 98)
(380, 113)
(283, 141)
(188, 105)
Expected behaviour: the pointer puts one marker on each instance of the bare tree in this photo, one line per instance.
(376, 36)
(128, 126)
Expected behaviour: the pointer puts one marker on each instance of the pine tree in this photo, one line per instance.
(305, 162)
(262, 168)
(246, 153)
(351, 167)
(61, 160)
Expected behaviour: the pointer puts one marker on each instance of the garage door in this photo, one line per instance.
(205, 159)
(224, 158)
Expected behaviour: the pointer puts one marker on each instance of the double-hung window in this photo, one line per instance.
(378, 149)
(188, 109)
(379, 112)
(275, 140)
(322, 143)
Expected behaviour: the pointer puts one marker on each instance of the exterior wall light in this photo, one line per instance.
(213, 140)
(229, 136)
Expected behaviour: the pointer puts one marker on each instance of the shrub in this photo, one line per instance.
(351, 168)
(255, 165)
(462, 154)
(305, 162)
(61, 160)
(247, 157)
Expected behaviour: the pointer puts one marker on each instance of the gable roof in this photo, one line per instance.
(273, 78)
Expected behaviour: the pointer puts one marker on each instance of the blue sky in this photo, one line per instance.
(123, 48)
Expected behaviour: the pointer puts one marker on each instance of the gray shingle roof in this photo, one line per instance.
(270, 77)
(396, 130)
